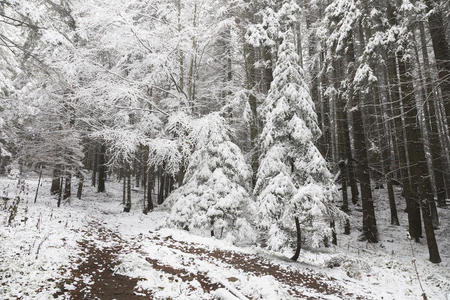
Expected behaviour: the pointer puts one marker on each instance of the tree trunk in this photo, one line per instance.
(347, 227)
(127, 207)
(67, 186)
(138, 175)
(370, 232)
(55, 187)
(249, 52)
(299, 240)
(144, 185)
(346, 130)
(39, 183)
(428, 224)
(388, 150)
(101, 169)
(180, 175)
(124, 190)
(369, 223)
(94, 166)
(343, 169)
(80, 185)
(162, 185)
(392, 205)
(61, 186)
(150, 185)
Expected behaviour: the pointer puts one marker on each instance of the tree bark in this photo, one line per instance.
(343, 169)
(101, 169)
(162, 184)
(67, 186)
(127, 207)
(55, 187)
(39, 183)
(61, 186)
(428, 224)
(94, 166)
(392, 205)
(299, 240)
(124, 189)
(150, 185)
(370, 232)
(80, 185)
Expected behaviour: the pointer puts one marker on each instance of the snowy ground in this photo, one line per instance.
(89, 248)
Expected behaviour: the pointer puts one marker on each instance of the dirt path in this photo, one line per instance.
(94, 276)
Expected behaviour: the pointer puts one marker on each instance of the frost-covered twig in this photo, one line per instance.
(40, 245)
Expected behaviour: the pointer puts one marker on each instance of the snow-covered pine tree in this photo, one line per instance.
(294, 187)
(214, 193)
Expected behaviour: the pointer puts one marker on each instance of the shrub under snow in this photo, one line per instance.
(214, 197)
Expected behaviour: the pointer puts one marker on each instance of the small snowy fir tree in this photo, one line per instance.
(214, 195)
(294, 188)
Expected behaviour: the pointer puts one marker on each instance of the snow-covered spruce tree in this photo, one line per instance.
(214, 194)
(294, 188)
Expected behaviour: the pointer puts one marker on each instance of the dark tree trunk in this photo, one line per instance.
(138, 175)
(145, 187)
(414, 147)
(388, 149)
(341, 124)
(67, 186)
(55, 187)
(427, 222)
(94, 166)
(127, 207)
(101, 169)
(124, 189)
(299, 240)
(347, 227)
(150, 185)
(343, 169)
(392, 205)
(60, 195)
(346, 131)
(162, 185)
(180, 175)
(80, 185)
(166, 187)
(370, 232)
(39, 183)
(268, 72)
(369, 222)
(250, 54)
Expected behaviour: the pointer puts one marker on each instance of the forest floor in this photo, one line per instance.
(89, 249)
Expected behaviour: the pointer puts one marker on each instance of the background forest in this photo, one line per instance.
(260, 122)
